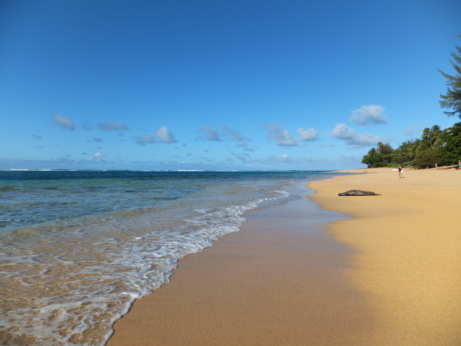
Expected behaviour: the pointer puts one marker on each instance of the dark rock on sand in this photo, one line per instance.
(358, 193)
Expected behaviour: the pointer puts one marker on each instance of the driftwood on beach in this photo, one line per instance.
(358, 193)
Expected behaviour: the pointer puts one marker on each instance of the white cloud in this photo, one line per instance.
(351, 137)
(307, 134)
(233, 134)
(145, 139)
(279, 135)
(113, 126)
(99, 140)
(369, 114)
(63, 122)
(411, 130)
(36, 136)
(165, 136)
(96, 157)
(210, 133)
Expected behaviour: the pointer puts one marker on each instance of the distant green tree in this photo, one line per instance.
(372, 158)
(448, 145)
(385, 150)
(408, 149)
(399, 156)
(426, 158)
(452, 99)
(430, 135)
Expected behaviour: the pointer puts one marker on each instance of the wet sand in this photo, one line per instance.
(279, 281)
(408, 251)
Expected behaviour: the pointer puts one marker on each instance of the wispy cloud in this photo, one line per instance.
(373, 114)
(117, 126)
(326, 145)
(95, 139)
(63, 122)
(145, 139)
(165, 136)
(245, 147)
(279, 135)
(411, 130)
(210, 133)
(307, 135)
(234, 135)
(36, 136)
(351, 137)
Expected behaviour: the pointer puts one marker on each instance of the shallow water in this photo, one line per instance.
(78, 247)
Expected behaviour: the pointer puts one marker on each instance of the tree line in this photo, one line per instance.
(436, 146)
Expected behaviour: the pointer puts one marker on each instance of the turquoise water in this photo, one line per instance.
(77, 247)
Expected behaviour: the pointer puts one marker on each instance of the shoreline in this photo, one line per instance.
(277, 281)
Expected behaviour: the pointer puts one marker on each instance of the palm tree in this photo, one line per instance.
(452, 99)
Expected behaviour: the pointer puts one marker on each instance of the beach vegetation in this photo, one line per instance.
(452, 98)
(436, 146)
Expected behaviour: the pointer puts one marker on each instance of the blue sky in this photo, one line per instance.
(221, 85)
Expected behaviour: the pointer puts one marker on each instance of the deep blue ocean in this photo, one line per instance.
(77, 247)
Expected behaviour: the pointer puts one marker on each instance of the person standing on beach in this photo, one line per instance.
(435, 166)
(459, 164)
(400, 172)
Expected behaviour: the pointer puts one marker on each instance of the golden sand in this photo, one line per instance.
(408, 243)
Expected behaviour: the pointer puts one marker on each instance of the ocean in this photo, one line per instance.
(78, 247)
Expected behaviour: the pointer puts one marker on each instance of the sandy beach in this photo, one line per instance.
(408, 258)
(390, 274)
